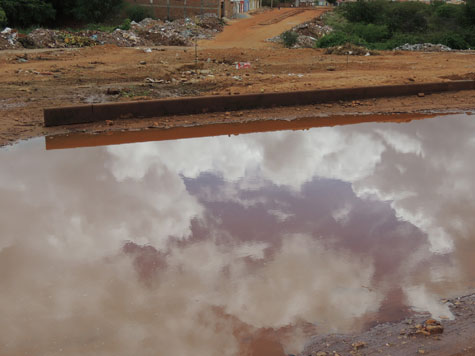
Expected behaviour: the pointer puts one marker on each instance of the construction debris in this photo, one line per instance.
(315, 28)
(148, 32)
(9, 39)
(351, 50)
(424, 47)
(308, 33)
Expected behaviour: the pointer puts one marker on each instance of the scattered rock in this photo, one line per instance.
(421, 95)
(358, 345)
(424, 47)
(429, 327)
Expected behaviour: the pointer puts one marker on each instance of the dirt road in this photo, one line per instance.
(253, 32)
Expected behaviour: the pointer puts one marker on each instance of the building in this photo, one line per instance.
(175, 9)
(304, 3)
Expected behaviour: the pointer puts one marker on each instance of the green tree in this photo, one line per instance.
(63, 8)
(24, 13)
(364, 11)
(408, 16)
(137, 13)
(95, 10)
(469, 12)
(84, 10)
(3, 18)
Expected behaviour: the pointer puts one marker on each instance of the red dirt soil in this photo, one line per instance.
(52, 78)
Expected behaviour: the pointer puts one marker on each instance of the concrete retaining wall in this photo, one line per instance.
(196, 105)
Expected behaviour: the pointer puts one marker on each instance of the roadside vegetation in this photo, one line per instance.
(102, 14)
(289, 38)
(382, 24)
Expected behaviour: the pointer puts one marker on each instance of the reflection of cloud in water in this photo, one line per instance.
(54, 304)
(71, 291)
(65, 216)
(422, 300)
(70, 201)
(423, 169)
(411, 165)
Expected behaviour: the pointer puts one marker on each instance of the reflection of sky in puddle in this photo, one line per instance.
(294, 232)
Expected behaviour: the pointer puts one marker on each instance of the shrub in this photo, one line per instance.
(469, 36)
(338, 38)
(335, 20)
(448, 11)
(408, 17)
(289, 38)
(125, 25)
(3, 18)
(398, 39)
(137, 13)
(364, 11)
(451, 39)
(369, 32)
(386, 24)
(24, 13)
(469, 12)
(94, 10)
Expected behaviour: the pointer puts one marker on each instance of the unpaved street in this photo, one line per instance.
(253, 32)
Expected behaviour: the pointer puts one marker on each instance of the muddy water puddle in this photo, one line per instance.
(233, 245)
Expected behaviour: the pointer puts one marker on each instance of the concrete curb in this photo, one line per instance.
(197, 105)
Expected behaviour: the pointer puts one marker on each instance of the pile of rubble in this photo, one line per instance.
(424, 47)
(351, 50)
(9, 39)
(148, 32)
(308, 33)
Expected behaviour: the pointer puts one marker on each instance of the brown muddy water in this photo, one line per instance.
(241, 245)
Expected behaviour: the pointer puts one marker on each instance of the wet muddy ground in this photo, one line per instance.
(265, 243)
(407, 337)
(24, 127)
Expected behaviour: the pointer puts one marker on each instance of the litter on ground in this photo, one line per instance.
(148, 32)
